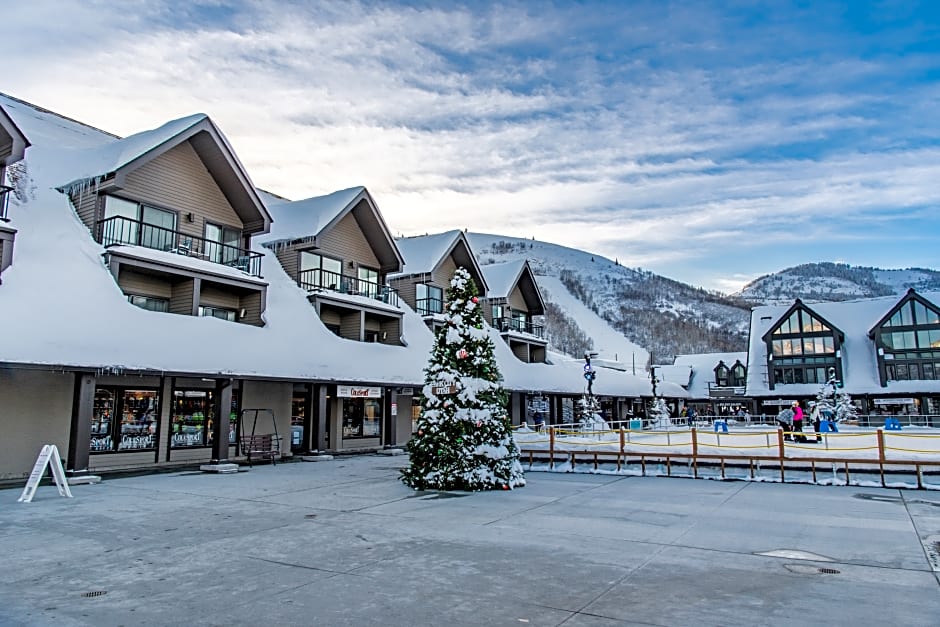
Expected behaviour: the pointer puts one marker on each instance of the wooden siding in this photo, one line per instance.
(349, 326)
(178, 180)
(372, 324)
(392, 330)
(6, 147)
(86, 206)
(444, 274)
(537, 354)
(290, 261)
(521, 351)
(181, 300)
(346, 241)
(141, 284)
(517, 300)
(406, 290)
(251, 303)
(330, 316)
(212, 295)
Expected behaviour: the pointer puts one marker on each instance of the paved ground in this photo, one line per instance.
(344, 543)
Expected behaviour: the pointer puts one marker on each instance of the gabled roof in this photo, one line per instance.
(908, 296)
(115, 159)
(859, 359)
(306, 221)
(503, 278)
(18, 140)
(799, 304)
(423, 254)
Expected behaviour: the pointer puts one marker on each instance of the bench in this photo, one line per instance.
(261, 446)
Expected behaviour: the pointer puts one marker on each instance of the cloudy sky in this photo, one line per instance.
(711, 145)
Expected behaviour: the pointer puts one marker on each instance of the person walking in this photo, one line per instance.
(798, 422)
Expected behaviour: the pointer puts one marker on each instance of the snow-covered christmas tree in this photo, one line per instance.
(464, 438)
(658, 414)
(833, 403)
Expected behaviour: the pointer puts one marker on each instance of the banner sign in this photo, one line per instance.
(893, 401)
(350, 391)
(49, 455)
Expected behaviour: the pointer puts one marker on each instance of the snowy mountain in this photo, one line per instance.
(836, 282)
(624, 314)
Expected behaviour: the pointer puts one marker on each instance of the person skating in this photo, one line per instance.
(798, 422)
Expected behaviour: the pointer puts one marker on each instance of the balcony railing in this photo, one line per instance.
(4, 201)
(429, 306)
(121, 230)
(506, 325)
(319, 279)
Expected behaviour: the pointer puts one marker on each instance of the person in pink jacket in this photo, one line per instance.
(798, 422)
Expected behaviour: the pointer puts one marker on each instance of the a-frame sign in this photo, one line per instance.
(49, 455)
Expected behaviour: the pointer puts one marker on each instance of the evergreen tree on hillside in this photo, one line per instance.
(464, 440)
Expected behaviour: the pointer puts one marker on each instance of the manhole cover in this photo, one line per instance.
(807, 569)
(94, 593)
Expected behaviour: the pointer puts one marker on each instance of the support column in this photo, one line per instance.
(307, 444)
(222, 408)
(515, 401)
(320, 417)
(390, 428)
(83, 402)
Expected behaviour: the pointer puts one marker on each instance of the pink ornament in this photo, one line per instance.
(475, 299)
(462, 354)
(479, 423)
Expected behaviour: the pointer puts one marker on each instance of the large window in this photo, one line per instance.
(721, 375)
(192, 421)
(738, 375)
(429, 299)
(129, 222)
(801, 349)
(910, 343)
(223, 244)
(317, 271)
(369, 282)
(124, 419)
(362, 418)
(149, 303)
(221, 313)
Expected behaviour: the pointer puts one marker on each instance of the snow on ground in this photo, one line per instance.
(608, 343)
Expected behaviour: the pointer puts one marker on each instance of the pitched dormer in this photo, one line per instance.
(13, 144)
(801, 347)
(430, 262)
(338, 248)
(512, 304)
(176, 212)
(907, 340)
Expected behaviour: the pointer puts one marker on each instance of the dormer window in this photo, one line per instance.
(909, 342)
(801, 348)
(738, 375)
(721, 375)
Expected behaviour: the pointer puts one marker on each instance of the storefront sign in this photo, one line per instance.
(779, 403)
(893, 401)
(408, 391)
(348, 391)
(48, 456)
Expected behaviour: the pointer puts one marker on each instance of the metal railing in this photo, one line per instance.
(506, 325)
(319, 279)
(121, 230)
(4, 201)
(429, 306)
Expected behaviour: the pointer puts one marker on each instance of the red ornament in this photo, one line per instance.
(475, 299)
(462, 354)
(420, 432)
(505, 487)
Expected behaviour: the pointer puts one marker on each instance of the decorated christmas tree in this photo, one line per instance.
(464, 440)
(833, 403)
(658, 413)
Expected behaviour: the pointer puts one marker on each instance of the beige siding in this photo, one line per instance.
(86, 205)
(487, 311)
(35, 409)
(144, 284)
(181, 299)
(537, 354)
(289, 261)
(516, 300)
(251, 303)
(521, 351)
(119, 461)
(178, 180)
(392, 331)
(346, 241)
(268, 395)
(349, 326)
(444, 274)
(214, 296)
(329, 316)
(406, 290)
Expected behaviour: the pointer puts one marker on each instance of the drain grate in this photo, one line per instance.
(94, 593)
(829, 571)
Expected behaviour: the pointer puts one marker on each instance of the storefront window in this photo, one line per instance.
(193, 418)
(362, 418)
(124, 419)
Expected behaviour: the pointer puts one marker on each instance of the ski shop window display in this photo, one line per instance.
(192, 421)
(362, 411)
(124, 419)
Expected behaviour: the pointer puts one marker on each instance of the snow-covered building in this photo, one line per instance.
(715, 382)
(13, 144)
(430, 262)
(511, 305)
(885, 352)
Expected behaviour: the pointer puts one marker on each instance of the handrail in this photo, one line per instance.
(429, 306)
(4, 201)
(504, 325)
(320, 279)
(123, 230)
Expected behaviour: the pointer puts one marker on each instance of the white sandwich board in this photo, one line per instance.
(49, 455)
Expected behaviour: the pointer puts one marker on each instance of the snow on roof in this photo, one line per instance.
(702, 366)
(422, 253)
(299, 219)
(502, 277)
(63, 309)
(859, 360)
(680, 375)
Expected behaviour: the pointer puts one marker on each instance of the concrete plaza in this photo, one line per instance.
(345, 543)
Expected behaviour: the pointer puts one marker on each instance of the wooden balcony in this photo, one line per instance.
(121, 230)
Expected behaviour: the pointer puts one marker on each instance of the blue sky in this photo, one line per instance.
(709, 142)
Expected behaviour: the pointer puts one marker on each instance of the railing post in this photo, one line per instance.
(881, 455)
(782, 451)
(551, 447)
(621, 440)
(694, 453)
